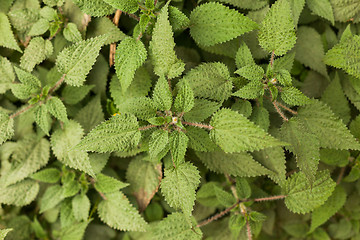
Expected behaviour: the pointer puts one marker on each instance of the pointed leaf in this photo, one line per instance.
(36, 52)
(107, 184)
(48, 175)
(202, 110)
(56, 107)
(251, 72)
(71, 33)
(129, 6)
(178, 144)
(243, 56)
(158, 142)
(184, 101)
(90, 115)
(6, 35)
(321, 8)
(6, 127)
(81, 207)
(19, 194)
(293, 96)
(53, 195)
(42, 118)
(7, 75)
(162, 96)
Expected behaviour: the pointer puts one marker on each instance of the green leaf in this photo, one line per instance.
(129, 56)
(118, 213)
(36, 52)
(81, 207)
(42, 118)
(178, 144)
(304, 144)
(235, 133)
(73, 95)
(309, 40)
(76, 61)
(225, 198)
(284, 78)
(56, 107)
(176, 226)
(178, 20)
(210, 80)
(243, 56)
(334, 157)
(331, 132)
(164, 59)
(96, 8)
(48, 175)
(243, 107)
(334, 203)
(246, 4)
(251, 72)
(6, 127)
(235, 164)
(293, 96)
(302, 197)
(71, 33)
(260, 116)
(144, 178)
(321, 8)
(6, 35)
(345, 10)
(63, 142)
(129, 6)
(31, 154)
(103, 25)
(184, 101)
(107, 184)
(4, 232)
(209, 29)
(243, 188)
(199, 139)
(252, 90)
(39, 28)
(158, 143)
(7, 76)
(179, 185)
(162, 95)
(90, 115)
(19, 194)
(297, 7)
(277, 30)
(119, 133)
(202, 110)
(75, 231)
(345, 55)
(30, 84)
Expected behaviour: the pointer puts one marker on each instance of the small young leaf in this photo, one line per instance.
(106, 184)
(4, 232)
(243, 188)
(162, 95)
(184, 101)
(42, 118)
(56, 107)
(7, 75)
(252, 90)
(48, 175)
(90, 115)
(202, 110)
(243, 56)
(178, 142)
(71, 33)
(39, 28)
(81, 207)
(36, 52)
(178, 20)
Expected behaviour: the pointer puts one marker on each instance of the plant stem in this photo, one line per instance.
(14, 115)
(217, 216)
(155, 2)
(287, 109)
(57, 84)
(113, 45)
(199, 125)
(133, 16)
(269, 198)
(272, 58)
(248, 230)
(146, 127)
(341, 175)
(280, 112)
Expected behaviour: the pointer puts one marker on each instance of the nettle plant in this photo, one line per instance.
(219, 119)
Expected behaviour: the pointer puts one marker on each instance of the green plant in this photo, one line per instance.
(214, 115)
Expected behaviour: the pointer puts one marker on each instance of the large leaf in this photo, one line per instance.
(7, 75)
(96, 8)
(129, 6)
(76, 61)
(118, 213)
(301, 197)
(179, 185)
(36, 52)
(277, 30)
(6, 127)
(90, 115)
(119, 133)
(344, 10)
(321, 8)
(19, 194)
(6, 35)
(209, 29)
(235, 133)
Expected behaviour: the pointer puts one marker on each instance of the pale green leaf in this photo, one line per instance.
(129, 6)
(184, 101)
(66, 213)
(71, 33)
(243, 188)
(42, 118)
(284, 77)
(251, 72)
(235, 133)
(210, 80)
(30, 155)
(56, 107)
(36, 52)
(107, 184)
(176, 227)
(334, 203)
(144, 178)
(6, 35)
(164, 59)
(74, 231)
(118, 213)
(235, 164)
(119, 133)
(199, 139)
(225, 198)
(39, 28)
(334, 157)
(321, 8)
(90, 115)
(252, 90)
(129, 56)
(63, 142)
(158, 143)
(30, 84)
(293, 96)
(6, 127)
(178, 142)
(344, 10)
(277, 30)
(301, 197)
(76, 61)
(246, 4)
(96, 8)
(285, 62)
(19, 194)
(243, 56)
(179, 185)
(73, 95)
(209, 29)
(162, 95)
(7, 75)
(4, 232)
(81, 207)
(202, 110)
(48, 175)
(103, 25)
(178, 20)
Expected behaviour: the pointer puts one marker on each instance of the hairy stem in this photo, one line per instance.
(269, 198)
(248, 230)
(14, 115)
(279, 111)
(133, 16)
(146, 127)
(286, 108)
(272, 58)
(199, 125)
(341, 175)
(217, 216)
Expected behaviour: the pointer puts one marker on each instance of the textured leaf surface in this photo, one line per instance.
(144, 178)
(334, 203)
(176, 227)
(210, 80)
(90, 115)
(6, 35)
(7, 75)
(129, 6)
(6, 127)
(178, 142)
(293, 96)
(184, 101)
(36, 52)
(162, 48)
(209, 29)
(81, 207)
(48, 175)
(96, 8)
(62, 143)
(202, 109)
(321, 8)
(19, 194)
(235, 133)
(4, 232)
(119, 133)
(71, 33)
(344, 10)
(277, 31)
(129, 56)
(199, 139)
(252, 72)
(162, 95)
(235, 164)
(179, 185)
(346, 55)
(103, 25)
(42, 118)
(53, 195)
(303, 198)
(107, 184)
(159, 141)
(56, 107)
(119, 214)
(76, 61)
(243, 56)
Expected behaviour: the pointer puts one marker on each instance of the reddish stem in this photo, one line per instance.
(146, 127)
(217, 216)
(199, 125)
(269, 198)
